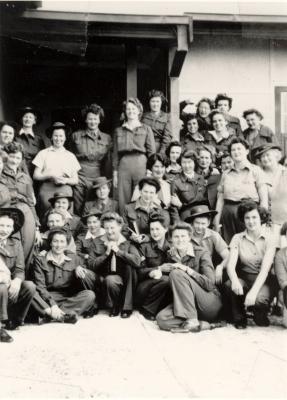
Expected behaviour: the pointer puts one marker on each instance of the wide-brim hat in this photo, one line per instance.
(55, 125)
(29, 109)
(60, 195)
(93, 212)
(16, 215)
(258, 151)
(200, 211)
(100, 181)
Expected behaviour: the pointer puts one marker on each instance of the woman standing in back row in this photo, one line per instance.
(133, 144)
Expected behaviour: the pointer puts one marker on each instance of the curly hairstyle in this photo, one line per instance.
(189, 117)
(248, 205)
(157, 93)
(154, 158)
(13, 148)
(149, 181)
(175, 143)
(237, 140)
(94, 109)
(135, 102)
(223, 96)
(252, 111)
(180, 225)
(205, 100)
(157, 216)
(111, 216)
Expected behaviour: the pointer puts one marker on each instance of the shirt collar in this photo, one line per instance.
(89, 235)
(199, 137)
(125, 125)
(52, 148)
(246, 165)
(263, 234)
(50, 257)
(217, 138)
(154, 204)
(189, 252)
(26, 132)
(121, 239)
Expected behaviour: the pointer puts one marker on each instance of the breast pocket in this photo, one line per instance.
(139, 139)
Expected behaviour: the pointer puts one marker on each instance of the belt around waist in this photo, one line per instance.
(226, 201)
(131, 153)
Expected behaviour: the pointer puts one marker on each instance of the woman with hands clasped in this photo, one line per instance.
(251, 256)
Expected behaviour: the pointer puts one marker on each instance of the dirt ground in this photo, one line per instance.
(114, 358)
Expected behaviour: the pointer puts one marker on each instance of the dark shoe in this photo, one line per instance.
(147, 315)
(241, 324)
(89, 314)
(260, 317)
(5, 337)
(114, 312)
(126, 313)
(13, 325)
(70, 318)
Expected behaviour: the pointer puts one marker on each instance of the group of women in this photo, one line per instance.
(188, 231)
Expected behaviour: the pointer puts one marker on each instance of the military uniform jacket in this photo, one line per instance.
(51, 277)
(202, 266)
(100, 262)
(152, 257)
(110, 205)
(134, 212)
(13, 256)
(161, 127)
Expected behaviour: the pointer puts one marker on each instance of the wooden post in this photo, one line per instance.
(174, 97)
(132, 75)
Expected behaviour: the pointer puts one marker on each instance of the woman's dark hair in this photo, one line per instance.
(237, 140)
(175, 143)
(13, 125)
(180, 225)
(189, 154)
(224, 155)
(223, 96)
(157, 216)
(250, 205)
(189, 117)
(252, 111)
(111, 216)
(14, 147)
(154, 158)
(210, 149)
(157, 93)
(95, 109)
(59, 231)
(136, 103)
(215, 112)
(149, 181)
(205, 100)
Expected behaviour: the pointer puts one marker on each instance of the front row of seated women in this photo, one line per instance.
(186, 278)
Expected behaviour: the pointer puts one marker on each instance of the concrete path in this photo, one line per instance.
(109, 357)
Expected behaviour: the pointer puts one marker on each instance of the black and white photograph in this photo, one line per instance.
(143, 199)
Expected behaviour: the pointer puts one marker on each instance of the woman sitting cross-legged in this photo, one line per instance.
(114, 261)
(251, 256)
(153, 291)
(57, 276)
(192, 281)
